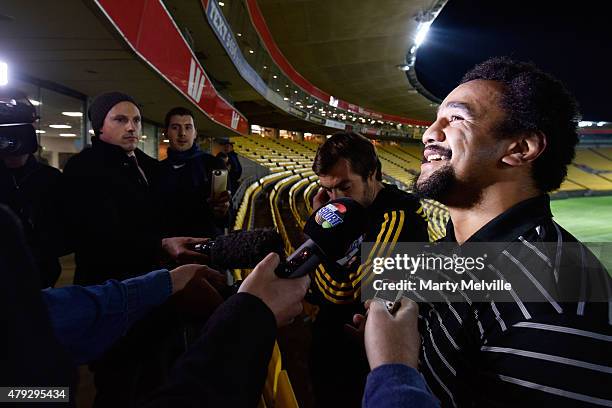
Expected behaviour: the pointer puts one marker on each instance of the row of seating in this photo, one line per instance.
(289, 167)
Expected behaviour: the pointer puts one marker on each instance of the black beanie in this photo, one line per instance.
(102, 104)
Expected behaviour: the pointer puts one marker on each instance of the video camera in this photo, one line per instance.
(17, 115)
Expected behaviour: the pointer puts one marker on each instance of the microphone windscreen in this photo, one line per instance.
(336, 225)
(245, 249)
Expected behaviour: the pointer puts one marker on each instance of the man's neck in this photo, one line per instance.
(15, 162)
(378, 186)
(495, 200)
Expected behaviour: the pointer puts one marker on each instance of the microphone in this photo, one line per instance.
(242, 249)
(333, 231)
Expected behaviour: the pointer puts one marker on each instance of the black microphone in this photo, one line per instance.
(332, 231)
(242, 249)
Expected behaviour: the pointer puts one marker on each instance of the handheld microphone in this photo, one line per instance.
(332, 230)
(242, 249)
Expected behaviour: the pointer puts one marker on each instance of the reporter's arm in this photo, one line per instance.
(227, 366)
(392, 345)
(397, 385)
(88, 320)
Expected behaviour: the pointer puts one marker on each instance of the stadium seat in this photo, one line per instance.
(274, 369)
(285, 397)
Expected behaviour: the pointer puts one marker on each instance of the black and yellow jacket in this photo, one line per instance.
(394, 216)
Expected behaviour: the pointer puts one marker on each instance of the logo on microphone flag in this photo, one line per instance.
(331, 215)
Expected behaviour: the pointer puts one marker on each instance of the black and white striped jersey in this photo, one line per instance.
(548, 352)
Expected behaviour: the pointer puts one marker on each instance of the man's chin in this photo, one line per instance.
(435, 185)
(129, 147)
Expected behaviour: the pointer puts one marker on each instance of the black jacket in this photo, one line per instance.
(227, 366)
(235, 170)
(31, 192)
(30, 354)
(185, 187)
(112, 217)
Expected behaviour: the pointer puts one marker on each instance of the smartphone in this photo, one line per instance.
(219, 183)
(391, 298)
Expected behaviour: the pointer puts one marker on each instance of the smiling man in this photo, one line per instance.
(502, 140)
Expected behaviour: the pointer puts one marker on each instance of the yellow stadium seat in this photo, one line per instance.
(274, 369)
(285, 397)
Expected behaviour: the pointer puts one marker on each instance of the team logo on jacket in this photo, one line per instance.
(331, 215)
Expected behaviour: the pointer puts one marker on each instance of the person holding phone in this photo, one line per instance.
(194, 183)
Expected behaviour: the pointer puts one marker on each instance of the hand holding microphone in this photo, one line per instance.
(332, 230)
(282, 296)
(333, 233)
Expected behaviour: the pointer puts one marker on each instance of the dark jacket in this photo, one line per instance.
(185, 186)
(112, 217)
(235, 170)
(31, 192)
(227, 366)
(30, 354)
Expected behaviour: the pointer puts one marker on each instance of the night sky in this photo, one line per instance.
(571, 40)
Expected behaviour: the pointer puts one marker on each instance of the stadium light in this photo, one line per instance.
(3, 73)
(585, 123)
(601, 123)
(422, 32)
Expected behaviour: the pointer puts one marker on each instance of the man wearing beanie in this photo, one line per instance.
(186, 182)
(112, 215)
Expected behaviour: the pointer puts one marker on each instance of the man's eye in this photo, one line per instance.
(345, 188)
(454, 118)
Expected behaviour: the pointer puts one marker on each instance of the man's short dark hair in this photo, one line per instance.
(535, 101)
(358, 150)
(178, 111)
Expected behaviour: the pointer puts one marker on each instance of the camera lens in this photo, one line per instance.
(8, 144)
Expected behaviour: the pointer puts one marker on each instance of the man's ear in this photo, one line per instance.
(525, 149)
